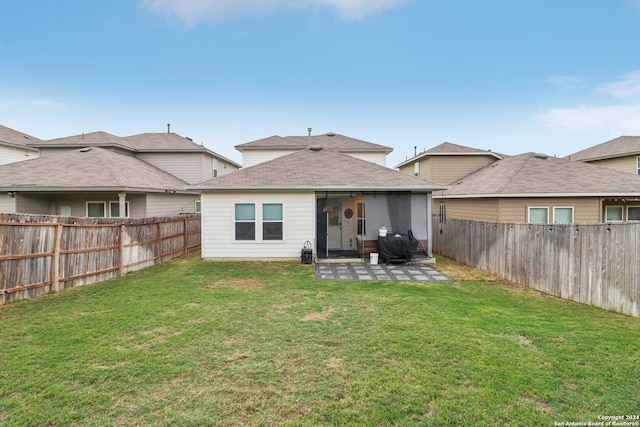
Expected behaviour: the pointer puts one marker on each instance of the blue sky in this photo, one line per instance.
(552, 76)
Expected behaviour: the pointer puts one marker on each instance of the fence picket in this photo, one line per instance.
(594, 264)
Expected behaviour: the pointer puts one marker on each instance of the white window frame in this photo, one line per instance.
(563, 207)
(126, 209)
(416, 168)
(104, 207)
(254, 221)
(627, 212)
(197, 206)
(536, 207)
(262, 221)
(606, 216)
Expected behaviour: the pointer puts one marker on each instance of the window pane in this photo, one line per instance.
(272, 231)
(198, 206)
(245, 212)
(614, 213)
(95, 210)
(563, 215)
(245, 231)
(272, 212)
(633, 213)
(538, 215)
(115, 210)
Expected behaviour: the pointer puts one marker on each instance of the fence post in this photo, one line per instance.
(186, 236)
(55, 261)
(159, 242)
(121, 250)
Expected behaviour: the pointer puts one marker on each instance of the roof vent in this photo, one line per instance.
(541, 156)
(315, 148)
(331, 134)
(85, 150)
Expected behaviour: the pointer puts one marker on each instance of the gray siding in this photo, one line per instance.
(170, 204)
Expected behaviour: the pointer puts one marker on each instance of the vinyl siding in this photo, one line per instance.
(254, 157)
(625, 164)
(446, 169)
(218, 229)
(586, 210)
(191, 167)
(7, 204)
(14, 154)
(170, 204)
(377, 158)
(473, 209)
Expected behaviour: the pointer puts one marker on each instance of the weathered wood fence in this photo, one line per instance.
(596, 264)
(41, 253)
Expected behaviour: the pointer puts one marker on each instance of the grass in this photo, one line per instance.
(198, 343)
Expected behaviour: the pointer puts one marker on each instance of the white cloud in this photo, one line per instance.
(618, 113)
(192, 11)
(567, 82)
(628, 86)
(616, 119)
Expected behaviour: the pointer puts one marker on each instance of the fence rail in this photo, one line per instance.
(41, 254)
(596, 264)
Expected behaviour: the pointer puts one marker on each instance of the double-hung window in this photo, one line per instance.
(245, 219)
(563, 215)
(272, 221)
(633, 213)
(114, 209)
(538, 215)
(96, 209)
(613, 213)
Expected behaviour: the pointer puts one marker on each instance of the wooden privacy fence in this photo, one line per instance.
(41, 254)
(594, 264)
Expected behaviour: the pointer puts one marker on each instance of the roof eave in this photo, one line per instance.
(536, 195)
(426, 154)
(318, 188)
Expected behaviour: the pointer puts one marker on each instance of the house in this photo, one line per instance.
(269, 148)
(14, 146)
(447, 162)
(169, 151)
(536, 188)
(148, 173)
(622, 153)
(93, 182)
(315, 194)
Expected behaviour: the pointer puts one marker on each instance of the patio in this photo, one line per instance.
(380, 272)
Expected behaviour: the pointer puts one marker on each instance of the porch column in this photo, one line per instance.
(122, 206)
(429, 224)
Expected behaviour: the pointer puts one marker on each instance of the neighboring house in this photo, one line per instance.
(93, 182)
(170, 152)
(316, 194)
(622, 153)
(447, 162)
(14, 146)
(269, 148)
(535, 188)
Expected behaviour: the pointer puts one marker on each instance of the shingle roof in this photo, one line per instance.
(331, 141)
(99, 138)
(450, 149)
(318, 170)
(13, 137)
(532, 174)
(163, 141)
(87, 168)
(618, 147)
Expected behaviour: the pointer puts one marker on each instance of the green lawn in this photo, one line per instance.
(199, 343)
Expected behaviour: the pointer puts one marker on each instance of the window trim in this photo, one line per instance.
(537, 207)
(280, 221)
(245, 221)
(573, 211)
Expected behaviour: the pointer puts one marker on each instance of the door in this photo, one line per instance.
(335, 225)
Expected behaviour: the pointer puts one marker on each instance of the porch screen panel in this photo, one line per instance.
(399, 211)
(377, 214)
(419, 216)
